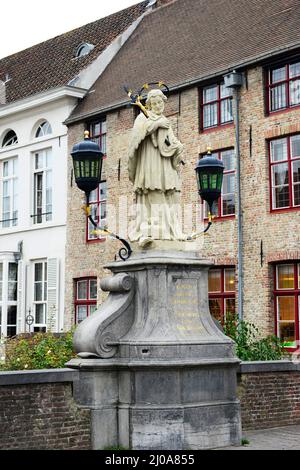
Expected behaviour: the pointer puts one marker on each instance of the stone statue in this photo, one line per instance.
(154, 159)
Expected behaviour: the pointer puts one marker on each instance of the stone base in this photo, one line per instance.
(160, 405)
(165, 376)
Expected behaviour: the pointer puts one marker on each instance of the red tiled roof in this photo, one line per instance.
(188, 40)
(51, 64)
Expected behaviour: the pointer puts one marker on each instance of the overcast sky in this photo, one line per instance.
(29, 22)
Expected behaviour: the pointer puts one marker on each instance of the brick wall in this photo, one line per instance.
(269, 395)
(37, 409)
(41, 416)
(279, 232)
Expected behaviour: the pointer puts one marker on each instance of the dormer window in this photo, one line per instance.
(84, 49)
(10, 138)
(43, 129)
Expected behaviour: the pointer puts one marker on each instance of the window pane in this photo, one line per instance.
(296, 171)
(38, 271)
(39, 314)
(297, 194)
(38, 161)
(287, 334)
(93, 290)
(280, 174)
(214, 281)
(278, 150)
(82, 290)
(5, 169)
(228, 183)
(228, 158)
(12, 271)
(281, 197)
(229, 307)
(12, 291)
(229, 280)
(277, 75)
(103, 144)
(294, 69)
(11, 315)
(286, 308)
(210, 115)
(103, 190)
(81, 313)
(210, 93)
(38, 291)
(294, 92)
(226, 110)
(228, 204)
(225, 91)
(278, 97)
(295, 146)
(103, 213)
(94, 195)
(215, 307)
(11, 331)
(285, 276)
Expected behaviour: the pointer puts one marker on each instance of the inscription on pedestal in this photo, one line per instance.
(185, 307)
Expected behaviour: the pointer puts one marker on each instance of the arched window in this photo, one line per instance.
(43, 129)
(10, 138)
(84, 49)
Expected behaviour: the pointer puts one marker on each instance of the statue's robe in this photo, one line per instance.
(154, 158)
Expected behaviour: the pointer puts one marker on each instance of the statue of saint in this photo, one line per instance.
(154, 160)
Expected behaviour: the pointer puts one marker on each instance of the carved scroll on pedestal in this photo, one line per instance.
(98, 335)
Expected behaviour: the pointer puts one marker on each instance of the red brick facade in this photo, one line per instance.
(277, 234)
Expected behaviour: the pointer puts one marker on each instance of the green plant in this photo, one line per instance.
(245, 442)
(248, 345)
(38, 351)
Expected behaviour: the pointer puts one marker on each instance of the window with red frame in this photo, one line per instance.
(287, 303)
(216, 106)
(85, 298)
(221, 293)
(285, 172)
(98, 197)
(225, 206)
(283, 86)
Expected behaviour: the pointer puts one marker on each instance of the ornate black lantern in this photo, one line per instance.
(209, 173)
(87, 164)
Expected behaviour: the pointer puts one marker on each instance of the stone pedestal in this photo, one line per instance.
(155, 369)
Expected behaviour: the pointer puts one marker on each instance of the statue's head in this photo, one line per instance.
(156, 101)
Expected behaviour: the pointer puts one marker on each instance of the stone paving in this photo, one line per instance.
(283, 438)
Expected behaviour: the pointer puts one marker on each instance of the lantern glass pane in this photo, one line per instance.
(77, 169)
(213, 179)
(204, 181)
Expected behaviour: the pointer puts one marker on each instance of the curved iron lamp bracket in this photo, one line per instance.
(126, 251)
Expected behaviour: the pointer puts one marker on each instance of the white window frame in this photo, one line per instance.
(45, 215)
(5, 303)
(12, 180)
(44, 300)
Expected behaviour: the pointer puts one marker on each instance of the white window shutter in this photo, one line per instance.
(20, 299)
(52, 294)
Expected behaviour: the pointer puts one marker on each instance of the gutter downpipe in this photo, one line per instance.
(234, 81)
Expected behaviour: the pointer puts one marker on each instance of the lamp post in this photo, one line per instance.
(87, 163)
(234, 80)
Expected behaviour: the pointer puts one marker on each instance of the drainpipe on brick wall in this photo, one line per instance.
(234, 81)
